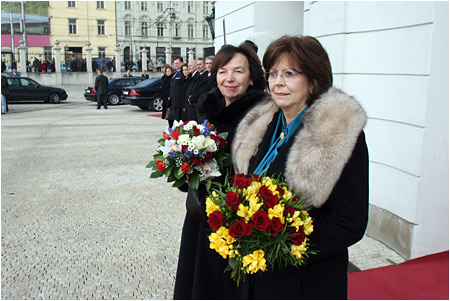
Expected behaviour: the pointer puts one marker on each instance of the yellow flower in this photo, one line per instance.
(277, 211)
(297, 223)
(222, 242)
(253, 189)
(287, 194)
(308, 227)
(255, 262)
(255, 204)
(244, 211)
(211, 206)
(297, 251)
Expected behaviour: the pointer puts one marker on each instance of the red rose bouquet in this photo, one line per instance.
(257, 223)
(190, 152)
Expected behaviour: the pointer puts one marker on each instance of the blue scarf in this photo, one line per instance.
(277, 142)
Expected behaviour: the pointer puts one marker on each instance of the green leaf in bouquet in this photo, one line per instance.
(179, 182)
(194, 180)
(179, 173)
(168, 171)
(162, 141)
(159, 157)
(157, 174)
(152, 164)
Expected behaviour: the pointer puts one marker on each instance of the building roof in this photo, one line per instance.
(28, 18)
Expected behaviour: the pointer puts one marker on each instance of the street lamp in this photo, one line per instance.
(211, 21)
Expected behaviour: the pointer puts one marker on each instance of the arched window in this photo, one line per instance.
(127, 28)
(144, 29)
(177, 29)
(160, 29)
(205, 31)
(190, 31)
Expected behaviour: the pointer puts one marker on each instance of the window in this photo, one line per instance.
(72, 26)
(143, 5)
(71, 3)
(190, 31)
(48, 53)
(205, 8)
(100, 4)
(175, 6)
(160, 6)
(177, 29)
(144, 29)
(205, 31)
(101, 27)
(127, 28)
(160, 29)
(101, 52)
(127, 4)
(190, 6)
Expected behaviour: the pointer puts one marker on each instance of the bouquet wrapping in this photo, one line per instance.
(258, 224)
(190, 152)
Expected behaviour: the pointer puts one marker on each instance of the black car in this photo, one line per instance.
(146, 95)
(24, 88)
(115, 86)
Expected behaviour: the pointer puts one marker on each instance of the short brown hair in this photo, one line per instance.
(306, 53)
(227, 52)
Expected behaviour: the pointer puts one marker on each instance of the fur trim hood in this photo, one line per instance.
(320, 150)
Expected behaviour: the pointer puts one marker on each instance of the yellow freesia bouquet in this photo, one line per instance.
(258, 223)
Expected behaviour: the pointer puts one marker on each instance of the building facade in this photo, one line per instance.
(394, 58)
(157, 25)
(73, 23)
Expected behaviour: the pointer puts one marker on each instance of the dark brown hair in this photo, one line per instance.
(307, 54)
(225, 55)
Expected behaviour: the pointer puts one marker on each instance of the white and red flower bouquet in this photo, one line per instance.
(258, 224)
(190, 152)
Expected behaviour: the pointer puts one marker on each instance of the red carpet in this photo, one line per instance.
(155, 115)
(424, 278)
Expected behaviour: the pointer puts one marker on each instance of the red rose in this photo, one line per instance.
(289, 210)
(275, 226)
(196, 130)
(197, 161)
(260, 221)
(240, 181)
(208, 156)
(184, 148)
(222, 143)
(215, 138)
(240, 228)
(232, 199)
(175, 134)
(298, 236)
(264, 192)
(185, 167)
(160, 165)
(216, 219)
(280, 191)
(167, 136)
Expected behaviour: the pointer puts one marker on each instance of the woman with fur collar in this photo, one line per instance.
(313, 135)
(239, 78)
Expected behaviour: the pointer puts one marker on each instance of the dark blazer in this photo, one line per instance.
(165, 93)
(176, 91)
(101, 84)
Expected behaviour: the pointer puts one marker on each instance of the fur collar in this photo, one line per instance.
(320, 150)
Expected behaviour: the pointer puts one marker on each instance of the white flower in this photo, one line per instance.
(183, 139)
(210, 145)
(167, 147)
(199, 142)
(189, 125)
(210, 169)
(177, 123)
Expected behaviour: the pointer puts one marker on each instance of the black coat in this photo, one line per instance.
(176, 92)
(165, 94)
(101, 84)
(200, 269)
(327, 173)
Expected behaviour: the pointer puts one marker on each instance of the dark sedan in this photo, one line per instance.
(146, 95)
(24, 88)
(115, 86)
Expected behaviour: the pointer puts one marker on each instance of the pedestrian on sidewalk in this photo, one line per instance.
(5, 94)
(101, 88)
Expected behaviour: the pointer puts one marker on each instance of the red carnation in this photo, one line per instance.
(275, 226)
(208, 156)
(240, 228)
(232, 199)
(184, 148)
(215, 138)
(298, 236)
(216, 219)
(260, 221)
(186, 122)
(175, 134)
(222, 143)
(160, 165)
(196, 130)
(185, 167)
(197, 161)
(167, 136)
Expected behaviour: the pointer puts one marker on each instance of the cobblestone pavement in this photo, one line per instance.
(80, 217)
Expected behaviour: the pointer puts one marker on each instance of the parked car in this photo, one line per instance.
(133, 68)
(146, 95)
(115, 86)
(24, 88)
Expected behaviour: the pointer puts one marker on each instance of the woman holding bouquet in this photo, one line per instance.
(313, 135)
(239, 80)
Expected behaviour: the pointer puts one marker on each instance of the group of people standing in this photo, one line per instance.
(283, 116)
(183, 85)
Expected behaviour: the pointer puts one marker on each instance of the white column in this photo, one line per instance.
(88, 50)
(57, 50)
(144, 59)
(191, 55)
(118, 51)
(23, 56)
(169, 56)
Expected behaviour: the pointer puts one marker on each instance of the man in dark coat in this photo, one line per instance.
(101, 88)
(145, 75)
(176, 89)
(200, 86)
(187, 90)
